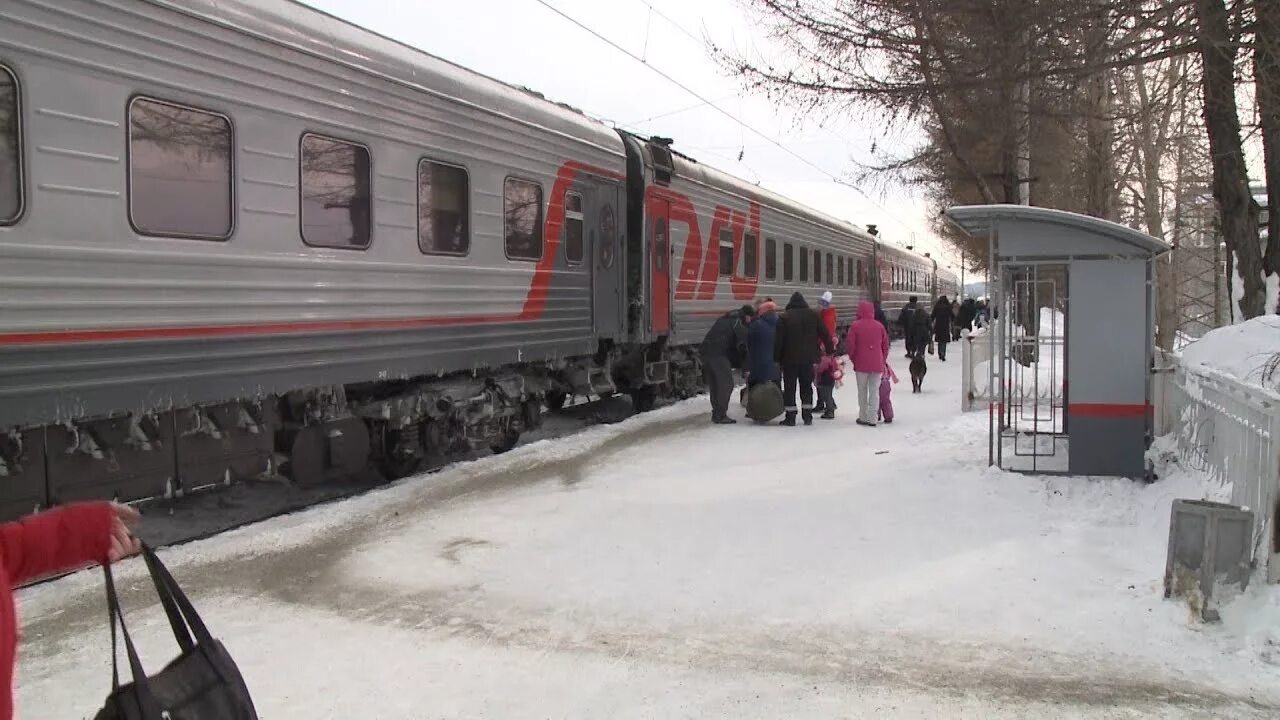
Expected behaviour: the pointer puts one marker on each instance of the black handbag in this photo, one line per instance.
(202, 683)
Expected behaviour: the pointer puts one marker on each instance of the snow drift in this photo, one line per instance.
(1240, 351)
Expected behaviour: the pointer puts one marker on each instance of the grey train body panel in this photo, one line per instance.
(74, 262)
(247, 230)
(781, 220)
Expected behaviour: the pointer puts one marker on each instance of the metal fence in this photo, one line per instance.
(1231, 431)
(975, 362)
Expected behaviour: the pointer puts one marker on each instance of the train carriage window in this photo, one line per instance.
(849, 277)
(788, 262)
(840, 272)
(573, 245)
(10, 153)
(817, 267)
(861, 279)
(831, 269)
(179, 171)
(770, 259)
(443, 209)
(804, 264)
(750, 264)
(726, 252)
(522, 219)
(336, 193)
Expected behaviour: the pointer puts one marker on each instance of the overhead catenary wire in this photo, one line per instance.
(711, 104)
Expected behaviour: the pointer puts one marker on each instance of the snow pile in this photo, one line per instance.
(1240, 351)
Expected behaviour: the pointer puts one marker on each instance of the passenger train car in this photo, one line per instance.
(240, 231)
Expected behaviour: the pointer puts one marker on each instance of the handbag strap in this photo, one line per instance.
(148, 706)
(176, 621)
(168, 587)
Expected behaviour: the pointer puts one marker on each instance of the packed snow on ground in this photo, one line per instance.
(1241, 351)
(666, 567)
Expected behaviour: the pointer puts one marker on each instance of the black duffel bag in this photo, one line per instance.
(203, 683)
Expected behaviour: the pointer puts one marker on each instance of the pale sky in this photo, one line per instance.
(524, 43)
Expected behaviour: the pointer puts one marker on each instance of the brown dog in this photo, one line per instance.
(918, 370)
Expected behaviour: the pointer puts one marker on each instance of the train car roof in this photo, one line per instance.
(690, 169)
(317, 33)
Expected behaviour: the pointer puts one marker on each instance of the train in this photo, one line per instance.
(245, 237)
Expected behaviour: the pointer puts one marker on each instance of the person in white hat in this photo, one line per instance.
(827, 314)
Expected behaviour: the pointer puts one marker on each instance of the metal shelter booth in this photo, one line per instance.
(1072, 303)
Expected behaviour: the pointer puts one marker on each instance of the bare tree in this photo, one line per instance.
(1219, 51)
(1266, 72)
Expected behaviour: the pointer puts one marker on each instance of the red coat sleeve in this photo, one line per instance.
(884, 341)
(60, 539)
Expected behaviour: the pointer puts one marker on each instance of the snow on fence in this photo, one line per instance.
(975, 359)
(1231, 431)
(1040, 380)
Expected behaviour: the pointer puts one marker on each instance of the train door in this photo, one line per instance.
(606, 265)
(659, 266)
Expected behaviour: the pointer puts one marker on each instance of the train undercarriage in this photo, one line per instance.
(315, 435)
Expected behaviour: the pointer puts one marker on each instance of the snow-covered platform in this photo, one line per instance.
(665, 567)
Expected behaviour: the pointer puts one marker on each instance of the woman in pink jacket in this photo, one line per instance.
(868, 346)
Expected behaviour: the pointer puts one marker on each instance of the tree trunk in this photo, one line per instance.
(1266, 69)
(1230, 178)
(1151, 153)
(1099, 133)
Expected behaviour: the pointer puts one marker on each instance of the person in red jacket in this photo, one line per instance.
(62, 539)
(868, 346)
(827, 314)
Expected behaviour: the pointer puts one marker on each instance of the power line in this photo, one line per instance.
(677, 112)
(673, 23)
(722, 111)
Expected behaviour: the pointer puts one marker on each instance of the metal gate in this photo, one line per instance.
(1028, 416)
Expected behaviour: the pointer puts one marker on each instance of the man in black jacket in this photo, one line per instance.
(907, 319)
(795, 347)
(723, 349)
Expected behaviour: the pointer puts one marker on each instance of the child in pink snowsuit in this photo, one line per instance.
(886, 388)
(827, 374)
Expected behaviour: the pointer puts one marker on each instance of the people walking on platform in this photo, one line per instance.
(826, 376)
(922, 331)
(880, 316)
(724, 348)
(907, 318)
(967, 314)
(761, 366)
(868, 346)
(942, 321)
(797, 349)
(886, 394)
(827, 312)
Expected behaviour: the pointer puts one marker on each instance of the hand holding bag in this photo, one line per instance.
(202, 683)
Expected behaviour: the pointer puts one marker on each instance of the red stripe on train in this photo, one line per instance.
(535, 303)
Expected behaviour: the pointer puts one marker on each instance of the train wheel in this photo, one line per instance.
(306, 449)
(555, 399)
(507, 442)
(643, 399)
(394, 462)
